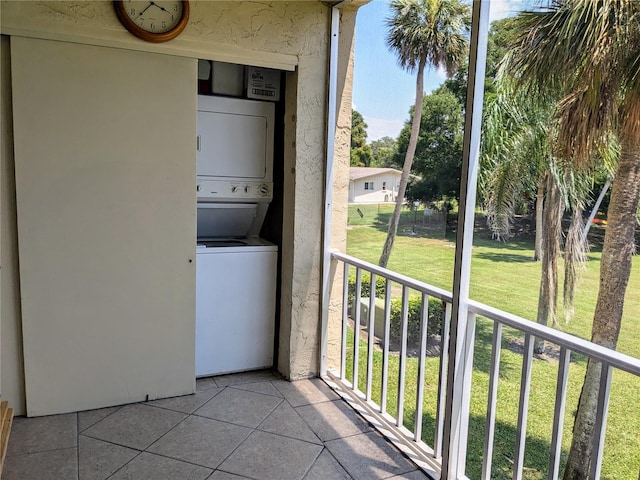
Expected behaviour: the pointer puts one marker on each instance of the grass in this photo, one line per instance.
(503, 275)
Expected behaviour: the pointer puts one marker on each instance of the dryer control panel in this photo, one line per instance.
(220, 190)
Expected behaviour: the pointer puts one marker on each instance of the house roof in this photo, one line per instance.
(356, 173)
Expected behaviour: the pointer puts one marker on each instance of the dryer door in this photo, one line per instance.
(232, 145)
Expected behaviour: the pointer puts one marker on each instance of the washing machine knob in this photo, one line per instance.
(264, 190)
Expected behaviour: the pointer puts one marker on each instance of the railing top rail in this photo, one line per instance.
(393, 276)
(576, 344)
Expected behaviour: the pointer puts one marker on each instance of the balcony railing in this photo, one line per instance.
(381, 390)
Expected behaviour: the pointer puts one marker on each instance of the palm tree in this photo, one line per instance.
(517, 159)
(421, 33)
(518, 131)
(590, 51)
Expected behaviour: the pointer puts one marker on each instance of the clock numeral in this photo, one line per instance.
(153, 26)
(175, 8)
(132, 11)
(164, 24)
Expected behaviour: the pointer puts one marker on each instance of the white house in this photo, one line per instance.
(373, 185)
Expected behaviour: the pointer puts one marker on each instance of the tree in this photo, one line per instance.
(518, 163)
(590, 51)
(518, 132)
(384, 149)
(438, 155)
(498, 43)
(421, 33)
(361, 154)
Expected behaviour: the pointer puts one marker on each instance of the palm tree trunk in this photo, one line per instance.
(552, 229)
(537, 253)
(406, 168)
(615, 268)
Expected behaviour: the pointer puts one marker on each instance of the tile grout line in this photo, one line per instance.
(237, 446)
(287, 436)
(231, 423)
(180, 411)
(110, 442)
(179, 460)
(344, 468)
(313, 463)
(118, 408)
(124, 465)
(40, 451)
(237, 387)
(257, 427)
(145, 449)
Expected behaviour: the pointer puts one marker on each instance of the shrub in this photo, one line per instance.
(365, 286)
(435, 315)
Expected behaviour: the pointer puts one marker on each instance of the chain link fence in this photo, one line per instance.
(413, 219)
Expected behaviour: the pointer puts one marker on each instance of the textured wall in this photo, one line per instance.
(286, 35)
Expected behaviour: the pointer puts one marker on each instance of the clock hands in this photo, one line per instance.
(146, 8)
(153, 4)
(160, 7)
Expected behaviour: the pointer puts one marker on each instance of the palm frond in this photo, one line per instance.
(434, 28)
(516, 149)
(590, 50)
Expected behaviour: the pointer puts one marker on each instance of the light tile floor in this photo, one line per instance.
(244, 426)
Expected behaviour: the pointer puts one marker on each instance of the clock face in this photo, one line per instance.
(154, 17)
(153, 21)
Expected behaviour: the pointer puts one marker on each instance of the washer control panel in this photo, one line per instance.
(247, 190)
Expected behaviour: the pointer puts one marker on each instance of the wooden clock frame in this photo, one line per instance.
(132, 27)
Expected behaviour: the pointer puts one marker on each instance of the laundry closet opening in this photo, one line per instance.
(240, 192)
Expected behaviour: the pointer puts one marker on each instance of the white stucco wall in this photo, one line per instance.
(285, 35)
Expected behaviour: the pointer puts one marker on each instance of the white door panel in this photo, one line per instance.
(105, 173)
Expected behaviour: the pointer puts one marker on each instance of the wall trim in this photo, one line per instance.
(181, 47)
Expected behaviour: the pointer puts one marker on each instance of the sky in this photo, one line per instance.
(382, 91)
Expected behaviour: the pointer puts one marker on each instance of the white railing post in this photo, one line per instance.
(600, 426)
(455, 430)
(490, 424)
(523, 406)
(558, 413)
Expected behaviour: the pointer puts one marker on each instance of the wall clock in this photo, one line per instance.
(153, 21)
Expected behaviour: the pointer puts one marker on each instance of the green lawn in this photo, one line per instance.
(504, 276)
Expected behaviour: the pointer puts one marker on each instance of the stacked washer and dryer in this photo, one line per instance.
(235, 268)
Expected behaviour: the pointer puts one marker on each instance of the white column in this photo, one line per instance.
(460, 343)
(326, 230)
